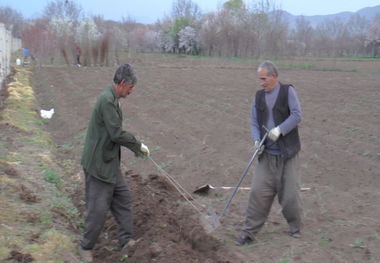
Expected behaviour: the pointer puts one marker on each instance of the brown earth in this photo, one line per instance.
(194, 116)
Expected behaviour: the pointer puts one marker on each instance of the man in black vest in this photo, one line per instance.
(276, 107)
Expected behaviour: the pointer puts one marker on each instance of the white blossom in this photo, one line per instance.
(188, 39)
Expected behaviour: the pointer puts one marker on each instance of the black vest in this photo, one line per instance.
(289, 144)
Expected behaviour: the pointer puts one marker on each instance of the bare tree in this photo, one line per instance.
(302, 37)
(357, 27)
(64, 9)
(276, 34)
(373, 38)
(88, 39)
(128, 25)
(209, 34)
(40, 40)
(144, 38)
(12, 20)
(186, 8)
(233, 17)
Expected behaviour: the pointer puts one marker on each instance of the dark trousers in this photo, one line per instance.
(100, 198)
(274, 176)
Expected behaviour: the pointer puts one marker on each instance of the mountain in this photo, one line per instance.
(368, 13)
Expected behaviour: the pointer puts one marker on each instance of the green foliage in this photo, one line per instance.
(261, 20)
(234, 5)
(81, 135)
(323, 68)
(80, 225)
(358, 243)
(179, 24)
(52, 177)
(226, 106)
(66, 148)
(376, 236)
(124, 258)
(155, 148)
(366, 153)
(64, 203)
(324, 241)
(46, 219)
(165, 165)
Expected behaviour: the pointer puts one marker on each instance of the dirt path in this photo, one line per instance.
(194, 116)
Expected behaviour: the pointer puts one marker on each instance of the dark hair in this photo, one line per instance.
(125, 72)
(269, 66)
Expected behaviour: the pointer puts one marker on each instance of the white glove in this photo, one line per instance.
(274, 133)
(261, 149)
(144, 150)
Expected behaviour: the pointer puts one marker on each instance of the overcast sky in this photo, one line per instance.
(148, 11)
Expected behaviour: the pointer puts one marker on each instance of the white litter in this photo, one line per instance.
(47, 114)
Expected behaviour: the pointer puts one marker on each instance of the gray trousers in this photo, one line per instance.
(274, 176)
(100, 198)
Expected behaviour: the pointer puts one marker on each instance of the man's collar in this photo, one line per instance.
(274, 88)
(113, 91)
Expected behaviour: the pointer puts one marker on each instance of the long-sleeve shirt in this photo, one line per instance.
(105, 135)
(286, 126)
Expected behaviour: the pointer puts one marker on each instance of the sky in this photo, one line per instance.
(148, 11)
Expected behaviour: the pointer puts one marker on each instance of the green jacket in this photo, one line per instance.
(101, 153)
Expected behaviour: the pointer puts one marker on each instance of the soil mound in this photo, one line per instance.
(167, 229)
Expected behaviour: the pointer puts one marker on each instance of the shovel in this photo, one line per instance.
(209, 218)
(212, 220)
(204, 189)
(243, 175)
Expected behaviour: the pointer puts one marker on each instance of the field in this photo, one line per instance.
(193, 113)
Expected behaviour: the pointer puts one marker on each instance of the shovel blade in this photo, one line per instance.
(202, 190)
(210, 221)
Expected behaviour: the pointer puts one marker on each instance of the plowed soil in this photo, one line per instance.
(194, 116)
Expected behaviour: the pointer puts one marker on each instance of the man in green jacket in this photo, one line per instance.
(105, 186)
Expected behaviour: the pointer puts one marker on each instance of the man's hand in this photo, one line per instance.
(144, 150)
(257, 146)
(274, 134)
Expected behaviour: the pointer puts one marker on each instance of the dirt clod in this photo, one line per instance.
(155, 250)
(11, 171)
(27, 195)
(168, 229)
(20, 257)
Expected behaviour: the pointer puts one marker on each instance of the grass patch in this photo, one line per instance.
(39, 229)
(358, 243)
(165, 165)
(52, 177)
(80, 136)
(324, 241)
(323, 68)
(52, 247)
(66, 148)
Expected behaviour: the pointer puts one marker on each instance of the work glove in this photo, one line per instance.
(274, 133)
(257, 146)
(144, 151)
